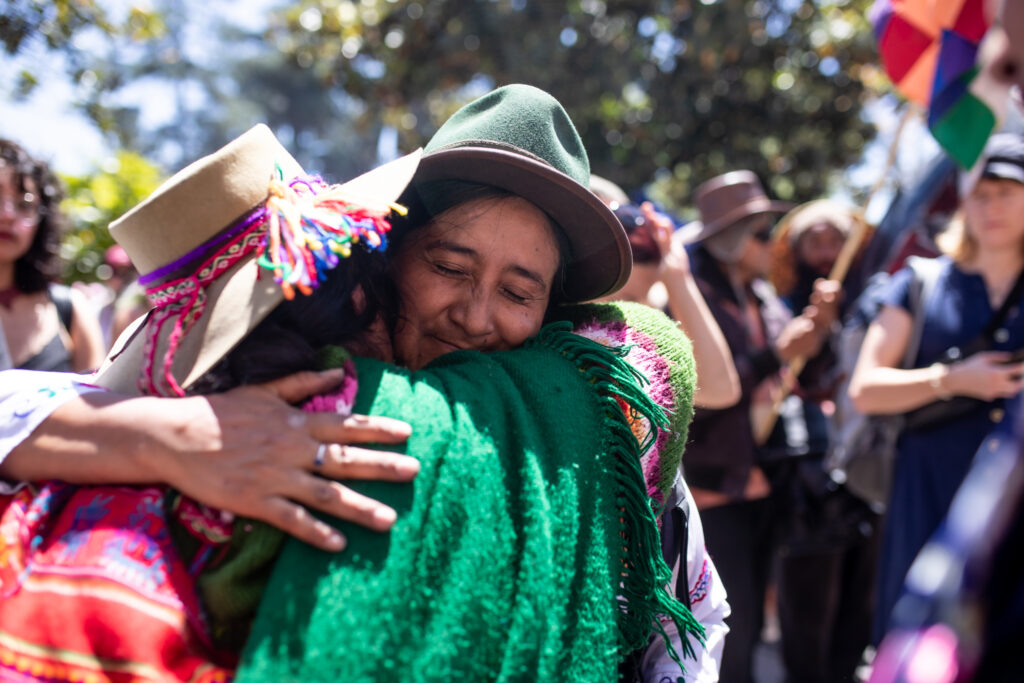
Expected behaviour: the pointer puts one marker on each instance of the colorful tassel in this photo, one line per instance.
(311, 227)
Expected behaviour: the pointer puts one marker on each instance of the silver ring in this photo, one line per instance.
(321, 456)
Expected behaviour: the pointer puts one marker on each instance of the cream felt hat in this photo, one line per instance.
(222, 242)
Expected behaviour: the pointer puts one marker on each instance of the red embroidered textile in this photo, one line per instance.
(92, 589)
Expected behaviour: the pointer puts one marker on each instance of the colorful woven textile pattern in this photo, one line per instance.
(929, 49)
(651, 345)
(301, 232)
(92, 589)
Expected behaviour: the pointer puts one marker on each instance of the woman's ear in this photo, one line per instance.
(374, 341)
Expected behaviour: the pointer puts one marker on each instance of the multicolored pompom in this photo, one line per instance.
(311, 227)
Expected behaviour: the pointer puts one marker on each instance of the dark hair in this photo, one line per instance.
(288, 339)
(640, 232)
(427, 200)
(40, 265)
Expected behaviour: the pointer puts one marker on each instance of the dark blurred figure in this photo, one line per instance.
(46, 326)
(827, 536)
(730, 257)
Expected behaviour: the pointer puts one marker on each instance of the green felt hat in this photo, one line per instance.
(520, 139)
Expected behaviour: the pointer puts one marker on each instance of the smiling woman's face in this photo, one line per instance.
(479, 276)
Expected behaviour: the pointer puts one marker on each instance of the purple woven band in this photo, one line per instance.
(200, 253)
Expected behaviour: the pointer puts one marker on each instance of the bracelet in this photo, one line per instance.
(937, 383)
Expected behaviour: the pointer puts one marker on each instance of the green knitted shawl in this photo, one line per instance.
(526, 549)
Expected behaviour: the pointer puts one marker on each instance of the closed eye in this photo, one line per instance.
(515, 297)
(448, 270)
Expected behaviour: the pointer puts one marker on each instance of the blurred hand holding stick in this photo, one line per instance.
(765, 422)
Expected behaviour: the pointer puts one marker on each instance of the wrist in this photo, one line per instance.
(174, 428)
(672, 270)
(938, 380)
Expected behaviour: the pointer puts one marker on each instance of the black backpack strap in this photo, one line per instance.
(60, 295)
(682, 515)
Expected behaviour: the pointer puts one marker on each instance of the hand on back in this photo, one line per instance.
(250, 453)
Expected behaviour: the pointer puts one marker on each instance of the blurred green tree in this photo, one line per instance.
(95, 199)
(666, 93)
(671, 90)
(75, 29)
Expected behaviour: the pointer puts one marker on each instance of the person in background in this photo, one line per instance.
(827, 536)
(971, 626)
(46, 326)
(730, 257)
(661, 279)
(128, 298)
(979, 283)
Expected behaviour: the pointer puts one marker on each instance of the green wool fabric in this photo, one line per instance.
(525, 550)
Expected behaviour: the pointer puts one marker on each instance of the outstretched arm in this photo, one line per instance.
(718, 385)
(245, 451)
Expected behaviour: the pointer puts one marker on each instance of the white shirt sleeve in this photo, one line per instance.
(707, 602)
(27, 397)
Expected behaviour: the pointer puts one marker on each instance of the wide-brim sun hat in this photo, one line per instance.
(727, 199)
(520, 139)
(224, 241)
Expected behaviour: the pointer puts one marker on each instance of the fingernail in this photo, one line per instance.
(408, 467)
(385, 516)
(336, 542)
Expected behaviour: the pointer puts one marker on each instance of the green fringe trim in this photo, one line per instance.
(644, 593)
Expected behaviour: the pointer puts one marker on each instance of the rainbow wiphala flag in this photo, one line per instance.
(930, 50)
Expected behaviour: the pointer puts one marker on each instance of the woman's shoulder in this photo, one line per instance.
(661, 355)
(918, 275)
